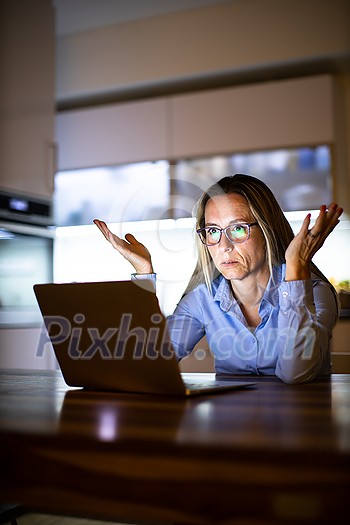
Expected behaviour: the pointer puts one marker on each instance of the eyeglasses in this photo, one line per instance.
(235, 233)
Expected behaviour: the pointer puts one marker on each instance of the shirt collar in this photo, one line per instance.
(271, 293)
(224, 295)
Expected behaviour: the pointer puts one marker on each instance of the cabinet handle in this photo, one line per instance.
(52, 164)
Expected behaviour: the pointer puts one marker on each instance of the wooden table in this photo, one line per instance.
(272, 454)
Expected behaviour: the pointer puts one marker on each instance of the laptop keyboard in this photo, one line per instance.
(207, 384)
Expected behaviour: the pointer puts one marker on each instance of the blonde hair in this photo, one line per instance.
(267, 213)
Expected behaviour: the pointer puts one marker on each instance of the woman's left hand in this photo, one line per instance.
(308, 241)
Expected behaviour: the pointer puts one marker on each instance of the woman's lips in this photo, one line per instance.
(229, 263)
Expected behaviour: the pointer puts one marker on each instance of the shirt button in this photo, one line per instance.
(285, 294)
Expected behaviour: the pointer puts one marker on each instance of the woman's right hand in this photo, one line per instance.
(133, 251)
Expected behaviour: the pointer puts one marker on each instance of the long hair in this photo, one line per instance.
(267, 213)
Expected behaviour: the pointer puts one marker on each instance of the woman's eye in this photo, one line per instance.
(213, 232)
(238, 230)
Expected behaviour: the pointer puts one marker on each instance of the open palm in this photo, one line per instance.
(130, 248)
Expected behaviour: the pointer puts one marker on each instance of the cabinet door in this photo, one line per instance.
(251, 118)
(340, 347)
(114, 134)
(27, 97)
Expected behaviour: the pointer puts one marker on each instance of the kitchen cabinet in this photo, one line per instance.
(340, 347)
(270, 115)
(26, 348)
(114, 134)
(264, 116)
(27, 106)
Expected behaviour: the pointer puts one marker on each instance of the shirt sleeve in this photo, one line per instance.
(184, 327)
(308, 312)
(142, 277)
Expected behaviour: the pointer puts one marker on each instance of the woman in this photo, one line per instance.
(263, 305)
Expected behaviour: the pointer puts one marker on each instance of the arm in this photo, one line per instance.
(308, 310)
(185, 327)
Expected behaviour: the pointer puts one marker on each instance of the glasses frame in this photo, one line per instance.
(248, 224)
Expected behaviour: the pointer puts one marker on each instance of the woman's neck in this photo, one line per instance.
(249, 291)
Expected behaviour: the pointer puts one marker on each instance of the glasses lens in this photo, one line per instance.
(202, 236)
(213, 235)
(238, 232)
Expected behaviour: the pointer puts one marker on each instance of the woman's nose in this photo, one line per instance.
(225, 244)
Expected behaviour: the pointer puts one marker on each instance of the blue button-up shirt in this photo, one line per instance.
(292, 340)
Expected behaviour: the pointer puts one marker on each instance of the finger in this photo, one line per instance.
(310, 233)
(97, 222)
(334, 214)
(102, 226)
(326, 221)
(333, 207)
(306, 223)
(319, 222)
(324, 218)
(131, 239)
(115, 241)
(334, 211)
(330, 218)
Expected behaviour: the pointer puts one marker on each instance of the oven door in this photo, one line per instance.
(26, 258)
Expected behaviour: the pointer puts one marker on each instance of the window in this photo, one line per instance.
(132, 192)
(300, 179)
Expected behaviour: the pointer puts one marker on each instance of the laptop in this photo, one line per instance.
(112, 336)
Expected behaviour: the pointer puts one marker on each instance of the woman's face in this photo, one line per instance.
(237, 261)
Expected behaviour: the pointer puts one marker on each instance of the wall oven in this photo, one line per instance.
(26, 257)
